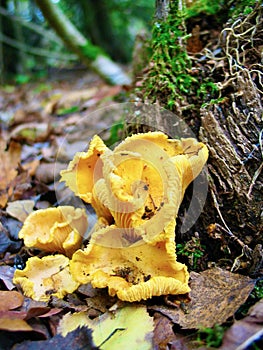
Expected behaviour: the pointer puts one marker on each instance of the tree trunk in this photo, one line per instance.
(91, 55)
(231, 126)
(232, 130)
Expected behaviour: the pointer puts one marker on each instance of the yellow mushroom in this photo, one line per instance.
(139, 189)
(131, 269)
(85, 169)
(44, 277)
(145, 187)
(58, 229)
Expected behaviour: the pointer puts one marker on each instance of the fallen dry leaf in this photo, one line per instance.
(49, 172)
(34, 308)
(9, 162)
(244, 332)
(76, 340)
(20, 209)
(14, 325)
(31, 167)
(163, 332)
(31, 132)
(6, 275)
(215, 295)
(10, 300)
(67, 100)
(128, 328)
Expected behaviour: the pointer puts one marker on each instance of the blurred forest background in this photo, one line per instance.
(29, 47)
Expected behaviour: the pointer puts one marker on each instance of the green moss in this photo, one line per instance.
(211, 337)
(204, 6)
(170, 78)
(244, 7)
(168, 75)
(90, 51)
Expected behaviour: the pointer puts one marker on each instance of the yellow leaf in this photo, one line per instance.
(130, 328)
(20, 209)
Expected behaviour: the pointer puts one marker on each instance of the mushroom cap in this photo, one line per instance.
(44, 277)
(135, 271)
(144, 180)
(55, 229)
(85, 169)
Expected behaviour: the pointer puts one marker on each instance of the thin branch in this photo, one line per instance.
(34, 27)
(36, 51)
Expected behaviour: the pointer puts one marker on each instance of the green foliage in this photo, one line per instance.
(211, 337)
(116, 132)
(124, 19)
(63, 111)
(204, 6)
(243, 7)
(22, 79)
(193, 250)
(254, 297)
(207, 89)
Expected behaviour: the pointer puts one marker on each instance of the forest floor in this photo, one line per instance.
(43, 125)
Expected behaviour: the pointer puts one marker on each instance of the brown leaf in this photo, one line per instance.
(66, 100)
(32, 166)
(163, 332)
(31, 132)
(49, 172)
(244, 332)
(34, 308)
(10, 300)
(8, 171)
(215, 296)
(13, 315)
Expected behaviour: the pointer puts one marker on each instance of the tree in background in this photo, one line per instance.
(93, 56)
(108, 25)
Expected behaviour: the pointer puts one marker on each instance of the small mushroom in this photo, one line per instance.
(131, 271)
(58, 229)
(44, 277)
(85, 169)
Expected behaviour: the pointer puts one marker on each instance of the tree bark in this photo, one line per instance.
(232, 128)
(91, 55)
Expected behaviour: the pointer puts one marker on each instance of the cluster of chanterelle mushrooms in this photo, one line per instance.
(136, 190)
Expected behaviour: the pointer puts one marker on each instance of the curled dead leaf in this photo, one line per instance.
(215, 295)
(10, 300)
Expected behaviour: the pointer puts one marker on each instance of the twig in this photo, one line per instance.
(220, 214)
(35, 51)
